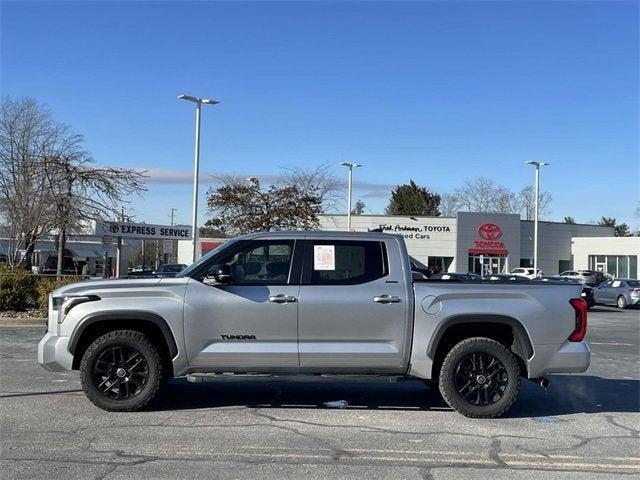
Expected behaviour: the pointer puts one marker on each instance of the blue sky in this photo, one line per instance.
(434, 91)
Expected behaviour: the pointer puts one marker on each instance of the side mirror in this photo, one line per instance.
(223, 274)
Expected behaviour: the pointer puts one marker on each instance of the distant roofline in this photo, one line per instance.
(481, 213)
(378, 215)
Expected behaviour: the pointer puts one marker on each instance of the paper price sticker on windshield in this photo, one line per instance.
(324, 257)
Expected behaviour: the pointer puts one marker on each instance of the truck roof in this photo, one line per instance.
(320, 234)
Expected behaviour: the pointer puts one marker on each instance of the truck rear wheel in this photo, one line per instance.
(121, 371)
(480, 378)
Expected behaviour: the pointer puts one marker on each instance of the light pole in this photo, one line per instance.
(350, 166)
(196, 169)
(538, 165)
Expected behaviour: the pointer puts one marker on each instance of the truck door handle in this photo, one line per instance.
(282, 298)
(386, 299)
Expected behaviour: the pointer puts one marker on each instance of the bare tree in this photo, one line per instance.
(318, 182)
(81, 192)
(527, 202)
(477, 195)
(449, 204)
(505, 201)
(484, 195)
(48, 181)
(28, 136)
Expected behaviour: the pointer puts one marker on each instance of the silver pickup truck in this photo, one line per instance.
(315, 303)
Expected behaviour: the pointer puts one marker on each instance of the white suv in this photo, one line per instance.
(526, 272)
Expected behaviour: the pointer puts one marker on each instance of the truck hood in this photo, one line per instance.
(96, 285)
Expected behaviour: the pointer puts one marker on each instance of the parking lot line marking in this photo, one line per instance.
(612, 343)
(463, 461)
(454, 458)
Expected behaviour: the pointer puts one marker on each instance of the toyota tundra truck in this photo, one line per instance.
(310, 303)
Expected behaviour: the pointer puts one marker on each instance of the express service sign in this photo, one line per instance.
(144, 230)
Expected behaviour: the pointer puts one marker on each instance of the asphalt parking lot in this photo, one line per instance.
(584, 426)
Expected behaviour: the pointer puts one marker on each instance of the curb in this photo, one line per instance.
(22, 322)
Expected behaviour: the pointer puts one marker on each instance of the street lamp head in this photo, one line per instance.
(537, 164)
(351, 165)
(206, 101)
(189, 98)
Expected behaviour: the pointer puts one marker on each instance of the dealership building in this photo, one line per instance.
(484, 242)
(488, 243)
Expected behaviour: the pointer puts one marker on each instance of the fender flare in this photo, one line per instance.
(520, 334)
(124, 315)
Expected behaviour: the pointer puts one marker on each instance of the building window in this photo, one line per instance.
(619, 266)
(526, 263)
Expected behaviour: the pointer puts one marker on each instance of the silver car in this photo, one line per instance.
(588, 277)
(623, 292)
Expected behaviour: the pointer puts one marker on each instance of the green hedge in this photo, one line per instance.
(20, 290)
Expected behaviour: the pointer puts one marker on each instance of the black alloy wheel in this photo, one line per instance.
(120, 372)
(481, 379)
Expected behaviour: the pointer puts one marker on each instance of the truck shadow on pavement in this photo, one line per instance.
(568, 394)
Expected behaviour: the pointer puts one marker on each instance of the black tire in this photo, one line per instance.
(101, 371)
(494, 373)
(621, 302)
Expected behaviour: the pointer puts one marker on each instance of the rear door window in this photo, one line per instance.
(344, 262)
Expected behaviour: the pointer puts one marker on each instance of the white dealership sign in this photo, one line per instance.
(144, 230)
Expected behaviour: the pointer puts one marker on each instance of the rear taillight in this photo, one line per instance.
(580, 306)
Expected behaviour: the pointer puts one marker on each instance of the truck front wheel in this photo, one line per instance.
(479, 378)
(121, 371)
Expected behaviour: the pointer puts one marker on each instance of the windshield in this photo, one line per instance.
(634, 283)
(194, 266)
(417, 263)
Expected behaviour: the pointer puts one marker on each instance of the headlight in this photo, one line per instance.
(63, 305)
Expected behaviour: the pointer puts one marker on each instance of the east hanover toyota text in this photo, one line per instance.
(315, 303)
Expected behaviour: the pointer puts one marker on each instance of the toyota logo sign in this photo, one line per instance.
(489, 231)
(114, 228)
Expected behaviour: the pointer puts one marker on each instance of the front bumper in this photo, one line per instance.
(53, 353)
(571, 357)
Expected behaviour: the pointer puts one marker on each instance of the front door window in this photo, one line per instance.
(259, 263)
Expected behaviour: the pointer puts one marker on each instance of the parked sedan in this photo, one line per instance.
(623, 292)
